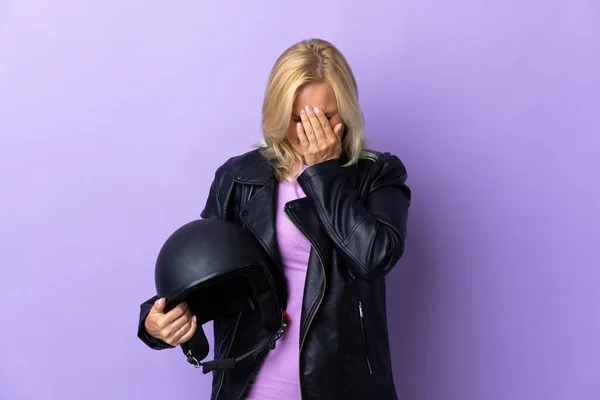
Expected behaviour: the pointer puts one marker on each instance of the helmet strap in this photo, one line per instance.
(229, 363)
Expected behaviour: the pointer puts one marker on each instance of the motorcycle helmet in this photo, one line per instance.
(218, 268)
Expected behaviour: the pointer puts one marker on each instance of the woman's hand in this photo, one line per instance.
(319, 142)
(175, 327)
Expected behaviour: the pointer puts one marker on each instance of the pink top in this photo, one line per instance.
(278, 378)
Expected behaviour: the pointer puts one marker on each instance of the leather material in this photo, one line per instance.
(355, 218)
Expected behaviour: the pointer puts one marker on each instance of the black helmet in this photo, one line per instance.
(218, 268)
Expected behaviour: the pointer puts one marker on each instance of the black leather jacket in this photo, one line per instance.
(355, 217)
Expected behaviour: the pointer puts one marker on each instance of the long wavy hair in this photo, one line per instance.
(304, 63)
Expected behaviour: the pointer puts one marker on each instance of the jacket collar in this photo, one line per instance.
(256, 171)
(260, 171)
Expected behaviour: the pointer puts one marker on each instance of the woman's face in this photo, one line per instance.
(314, 95)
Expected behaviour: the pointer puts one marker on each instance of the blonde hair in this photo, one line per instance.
(304, 63)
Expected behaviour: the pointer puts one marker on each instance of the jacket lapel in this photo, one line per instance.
(259, 215)
(259, 211)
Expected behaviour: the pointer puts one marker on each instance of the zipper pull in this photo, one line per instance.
(360, 310)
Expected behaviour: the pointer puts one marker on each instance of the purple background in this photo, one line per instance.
(114, 115)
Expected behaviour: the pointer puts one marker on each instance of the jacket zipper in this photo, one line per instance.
(259, 359)
(321, 295)
(237, 322)
(363, 336)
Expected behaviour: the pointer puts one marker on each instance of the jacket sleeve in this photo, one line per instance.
(371, 232)
(213, 206)
(212, 209)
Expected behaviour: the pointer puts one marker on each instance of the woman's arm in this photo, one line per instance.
(212, 209)
(371, 234)
(143, 334)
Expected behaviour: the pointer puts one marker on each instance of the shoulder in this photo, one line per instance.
(378, 163)
(239, 161)
(251, 165)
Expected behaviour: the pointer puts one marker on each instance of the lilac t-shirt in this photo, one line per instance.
(279, 376)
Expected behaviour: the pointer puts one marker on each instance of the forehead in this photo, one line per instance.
(315, 95)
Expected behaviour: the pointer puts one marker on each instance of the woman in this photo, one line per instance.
(332, 216)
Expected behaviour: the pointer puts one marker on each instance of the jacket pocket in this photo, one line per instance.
(363, 336)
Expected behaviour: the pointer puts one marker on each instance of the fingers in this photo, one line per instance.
(308, 128)
(181, 329)
(159, 306)
(175, 313)
(337, 130)
(190, 331)
(176, 326)
(321, 126)
(312, 125)
(181, 321)
(317, 128)
(173, 332)
(319, 142)
(302, 136)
